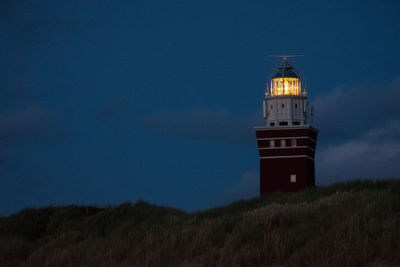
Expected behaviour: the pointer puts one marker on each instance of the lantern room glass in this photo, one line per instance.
(285, 86)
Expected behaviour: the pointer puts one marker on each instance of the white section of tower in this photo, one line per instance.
(286, 110)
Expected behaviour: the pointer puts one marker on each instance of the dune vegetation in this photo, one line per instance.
(346, 224)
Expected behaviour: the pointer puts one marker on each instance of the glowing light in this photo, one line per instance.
(285, 86)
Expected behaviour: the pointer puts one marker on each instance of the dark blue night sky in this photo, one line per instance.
(103, 102)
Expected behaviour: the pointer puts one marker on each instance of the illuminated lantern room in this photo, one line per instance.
(286, 81)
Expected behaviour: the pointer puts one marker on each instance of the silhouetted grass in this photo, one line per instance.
(346, 224)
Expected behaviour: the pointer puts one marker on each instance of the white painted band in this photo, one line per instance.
(285, 147)
(283, 157)
(277, 128)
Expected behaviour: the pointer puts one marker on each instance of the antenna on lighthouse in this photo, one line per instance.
(285, 57)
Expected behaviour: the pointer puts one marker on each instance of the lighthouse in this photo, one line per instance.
(287, 141)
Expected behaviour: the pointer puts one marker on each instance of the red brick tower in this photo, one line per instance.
(287, 142)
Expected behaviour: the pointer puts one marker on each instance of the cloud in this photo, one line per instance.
(374, 154)
(343, 114)
(348, 112)
(33, 123)
(204, 124)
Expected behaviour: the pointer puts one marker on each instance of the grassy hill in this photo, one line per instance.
(348, 224)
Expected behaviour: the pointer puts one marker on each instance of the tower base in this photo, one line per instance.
(286, 158)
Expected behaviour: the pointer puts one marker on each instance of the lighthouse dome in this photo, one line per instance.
(286, 71)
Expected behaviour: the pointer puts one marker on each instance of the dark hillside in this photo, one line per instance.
(348, 224)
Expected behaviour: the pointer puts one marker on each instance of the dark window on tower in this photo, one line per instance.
(271, 106)
(277, 143)
(283, 123)
(272, 124)
(296, 123)
(295, 105)
(283, 105)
